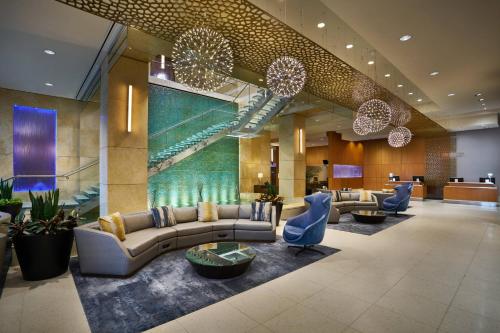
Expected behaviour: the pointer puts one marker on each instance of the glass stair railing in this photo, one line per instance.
(177, 142)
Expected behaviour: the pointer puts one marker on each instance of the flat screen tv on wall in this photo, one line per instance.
(347, 171)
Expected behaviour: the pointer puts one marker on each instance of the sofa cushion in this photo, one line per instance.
(245, 211)
(365, 204)
(192, 228)
(350, 196)
(338, 204)
(137, 221)
(141, 240)
(245, 224)
(185, 214)
(207, 212)
(224, 224)
(228, 211)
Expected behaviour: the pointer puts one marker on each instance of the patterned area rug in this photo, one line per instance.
(168, 287)
(347, 223)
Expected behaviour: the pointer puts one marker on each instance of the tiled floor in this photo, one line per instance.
(437, 272)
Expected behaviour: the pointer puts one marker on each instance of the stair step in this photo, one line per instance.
(80, 198)
(91, 193)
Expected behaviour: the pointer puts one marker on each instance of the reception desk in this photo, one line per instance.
(470, 192)
(419, 189)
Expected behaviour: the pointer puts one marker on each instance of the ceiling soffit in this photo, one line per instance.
(257, 39)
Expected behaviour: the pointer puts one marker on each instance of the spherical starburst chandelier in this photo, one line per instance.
(401, 115)
(399, 137)
(286, 76)
(359, 126)
(202, 59)
(377, 114)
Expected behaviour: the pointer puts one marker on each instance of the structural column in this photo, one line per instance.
(292, 157)
(124, 141)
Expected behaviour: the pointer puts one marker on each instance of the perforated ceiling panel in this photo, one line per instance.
(256, 38)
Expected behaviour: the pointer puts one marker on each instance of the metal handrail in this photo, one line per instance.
(64, 175)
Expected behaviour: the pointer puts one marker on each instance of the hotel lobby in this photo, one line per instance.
(258, 166)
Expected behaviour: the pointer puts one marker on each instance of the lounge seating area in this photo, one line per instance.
(103, 253)
(227, 166)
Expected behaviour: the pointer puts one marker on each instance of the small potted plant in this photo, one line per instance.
(43, 240)
(272, 196)
(8, 204)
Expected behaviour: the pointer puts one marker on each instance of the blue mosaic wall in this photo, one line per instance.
(214, 170)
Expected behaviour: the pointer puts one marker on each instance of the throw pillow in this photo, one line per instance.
(365, 196)
(261, 211)
(113, 224)
(336, 196)
(163, 216)
(207, 212)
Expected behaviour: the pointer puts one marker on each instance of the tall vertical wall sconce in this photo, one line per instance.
(129, 109)
(272, 155)
(301, 141)
(162, 61)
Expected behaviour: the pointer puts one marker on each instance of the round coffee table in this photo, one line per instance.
(369, 216)
(220, 260)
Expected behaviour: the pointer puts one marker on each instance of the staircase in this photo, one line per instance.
(251, 118)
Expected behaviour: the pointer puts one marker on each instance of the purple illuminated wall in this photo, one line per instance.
(34, 147)
(347, 171)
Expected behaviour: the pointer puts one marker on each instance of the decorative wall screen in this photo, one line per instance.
(347, 171)
(34, 148)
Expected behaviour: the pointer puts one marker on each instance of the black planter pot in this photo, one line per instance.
(279, 208)
(43, 256)
(12, 209)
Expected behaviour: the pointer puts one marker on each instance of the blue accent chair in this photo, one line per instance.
(399, 202)
(307, 229)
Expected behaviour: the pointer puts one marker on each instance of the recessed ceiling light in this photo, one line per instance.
(419, 100)
(261, 80)
(404, 38)
(321, 25)
(434, 73)
(387, 75)
(400, 85)
(410, 93)
(481, 99)
(48, 84)
(49, 52)
(477, 94)
(349, 46)
(316, 120)
(451, 94)
(484, 109)
(371, 62)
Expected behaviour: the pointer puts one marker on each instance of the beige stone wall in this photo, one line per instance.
(124, 155)
(292, 172)
(69, 140)
(255, 156)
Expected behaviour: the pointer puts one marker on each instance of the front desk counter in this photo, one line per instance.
(419, 188)
(471, 192)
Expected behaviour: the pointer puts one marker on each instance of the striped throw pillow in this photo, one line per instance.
(261, 211)
(336, 195)
(163, 216)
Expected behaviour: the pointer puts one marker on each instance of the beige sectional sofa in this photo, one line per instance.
(103, 253)
(349, 202)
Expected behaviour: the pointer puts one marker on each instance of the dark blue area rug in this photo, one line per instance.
(168, 287)
(349, 224)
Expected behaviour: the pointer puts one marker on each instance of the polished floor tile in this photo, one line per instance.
(436, 272)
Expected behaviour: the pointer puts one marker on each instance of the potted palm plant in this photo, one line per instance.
(8, 204)
(43, 240)
(272, 196)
